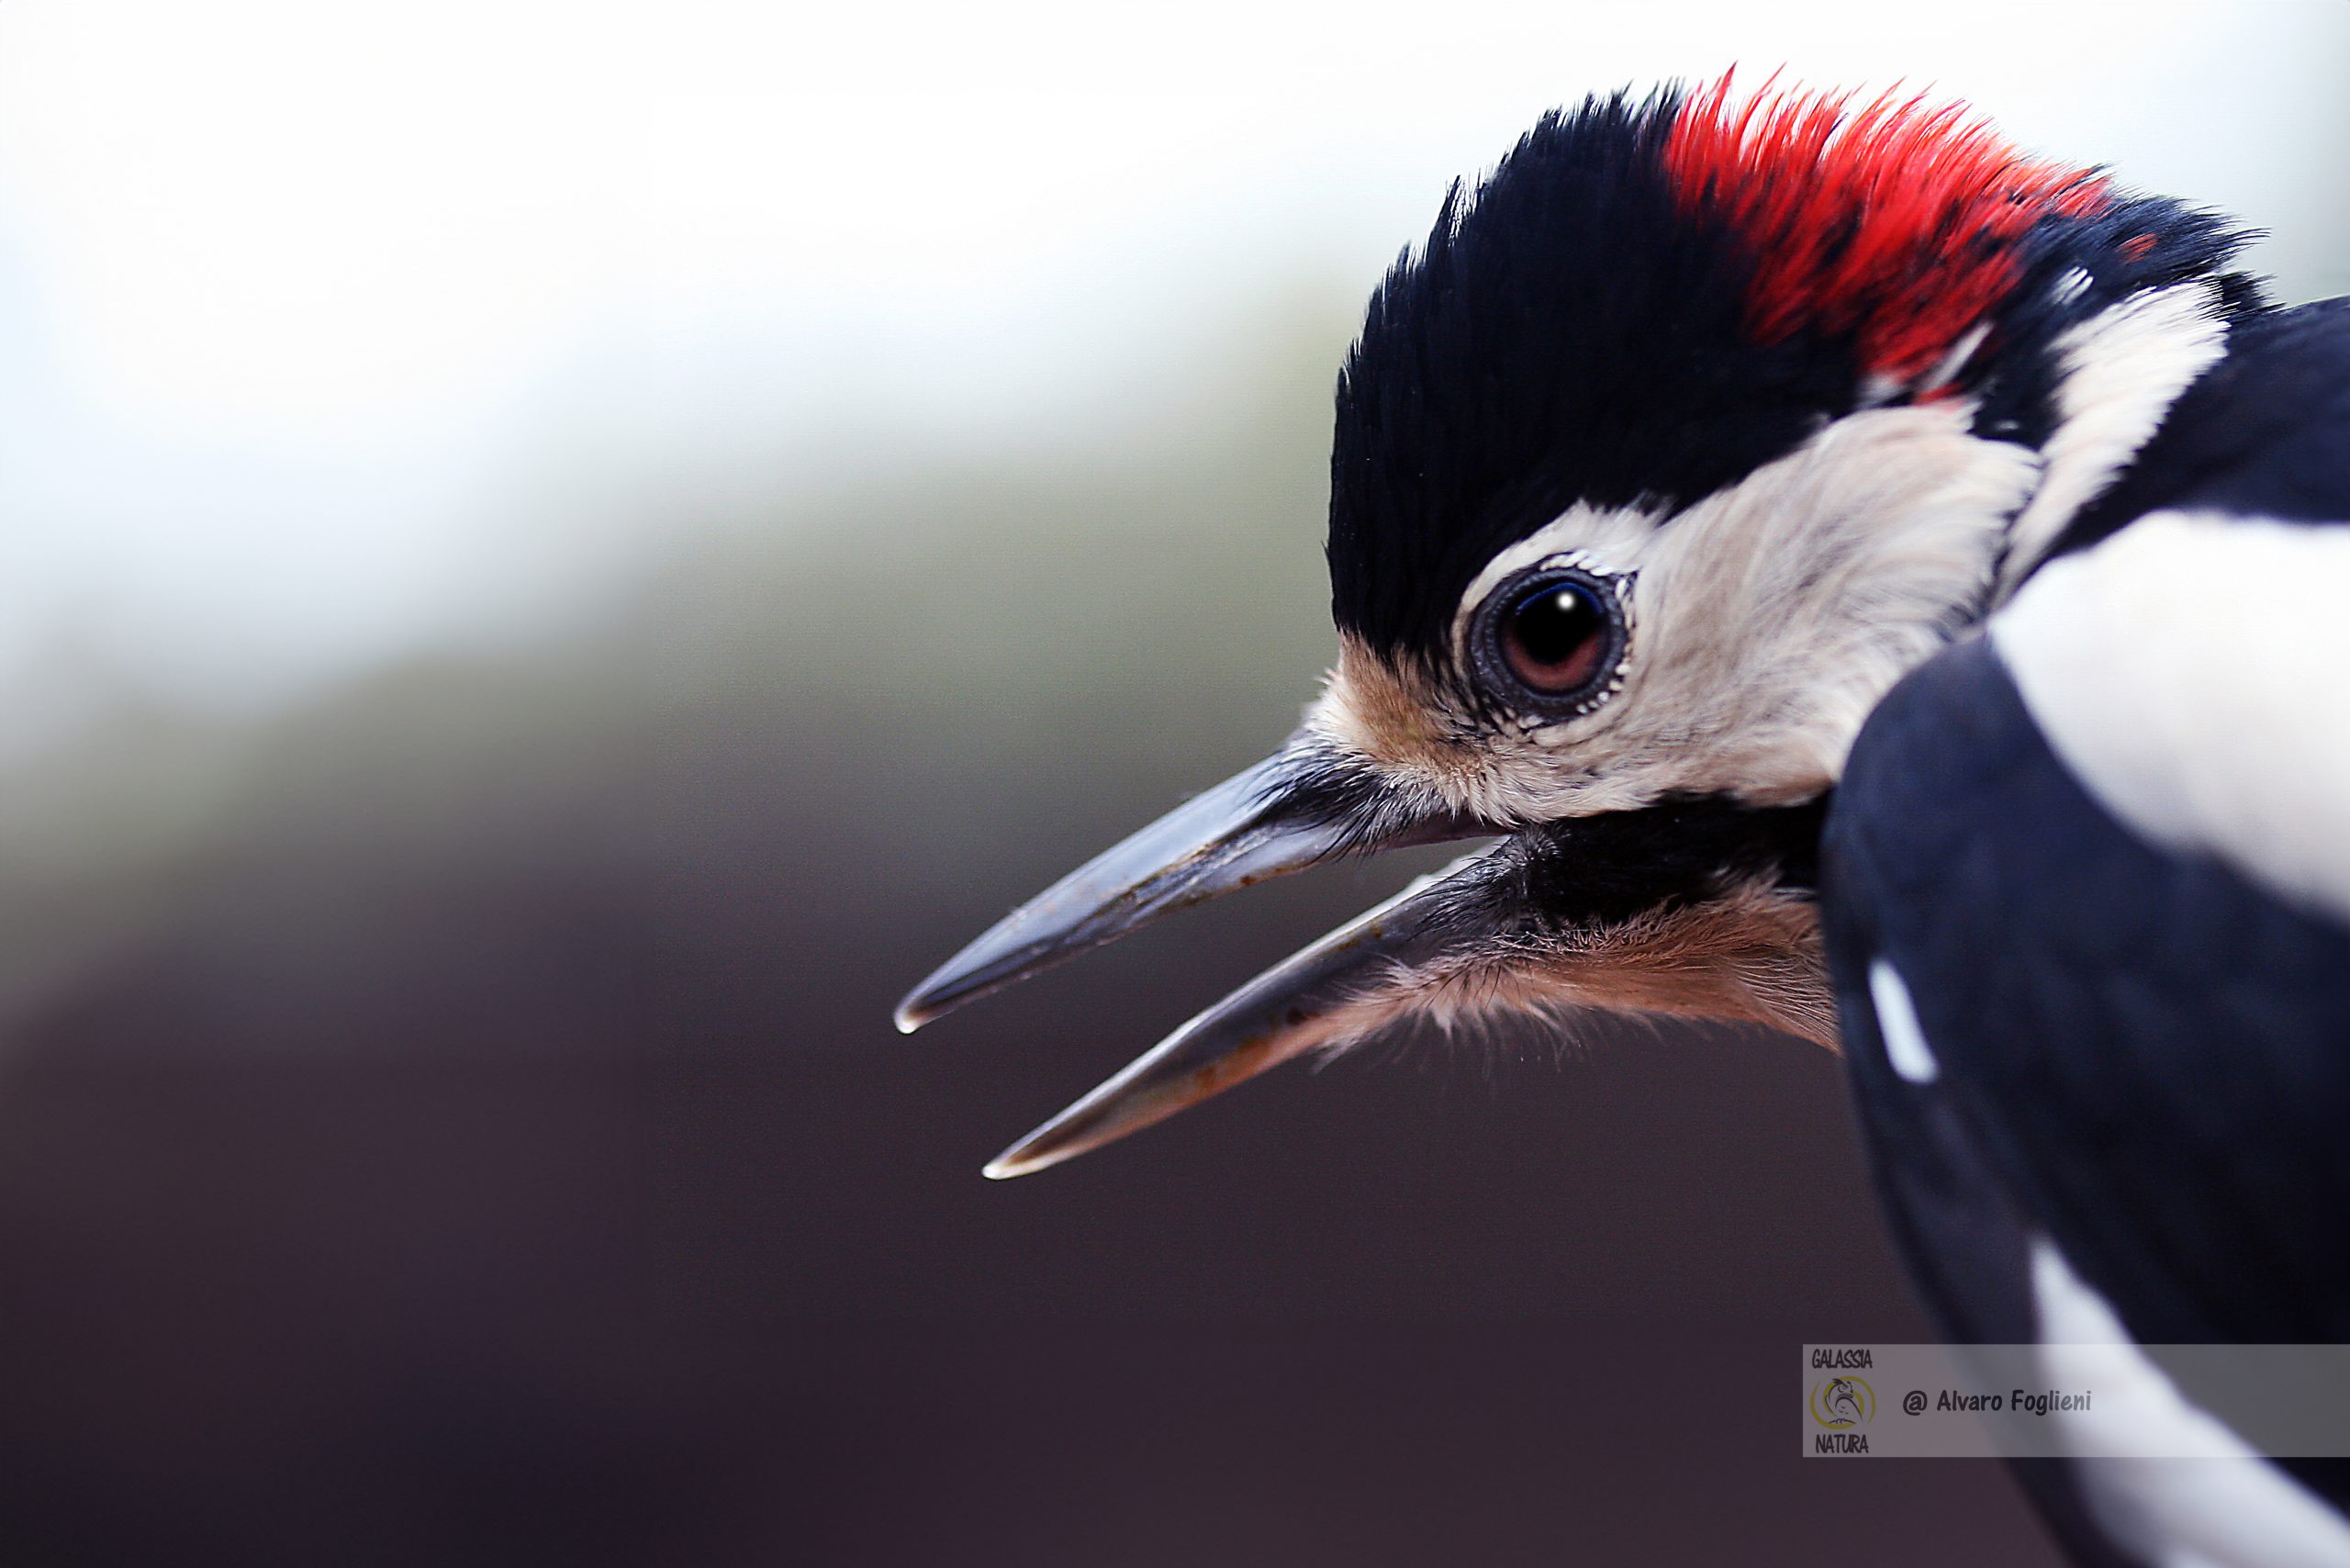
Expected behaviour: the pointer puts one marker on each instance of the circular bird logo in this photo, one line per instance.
(1842, 1401)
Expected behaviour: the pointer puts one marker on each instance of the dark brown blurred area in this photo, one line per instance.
(460, 1123)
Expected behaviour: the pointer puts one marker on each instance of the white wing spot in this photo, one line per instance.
(1896, 1025)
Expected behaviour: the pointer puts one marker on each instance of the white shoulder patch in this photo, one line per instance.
(2228, 1505)
(2194, 673)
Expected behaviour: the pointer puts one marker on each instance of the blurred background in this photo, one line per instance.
(554, 558)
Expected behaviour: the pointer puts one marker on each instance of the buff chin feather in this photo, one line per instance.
(1751, 956)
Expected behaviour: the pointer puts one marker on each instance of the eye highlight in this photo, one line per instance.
(1554, 638)
(1550, 640)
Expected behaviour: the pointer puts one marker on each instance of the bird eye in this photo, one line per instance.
(1552, 638)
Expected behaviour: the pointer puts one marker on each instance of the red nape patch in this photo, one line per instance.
(1896, 222)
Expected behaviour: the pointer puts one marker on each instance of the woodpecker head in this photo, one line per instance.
(1683, 437)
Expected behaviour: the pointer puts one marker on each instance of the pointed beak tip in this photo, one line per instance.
(1046, 1146)
(1008, 1164)
(941, 992)
(1223, 840)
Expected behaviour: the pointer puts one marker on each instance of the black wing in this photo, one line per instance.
(2151, 1052)
(2139, 1054)
(2146, 1048)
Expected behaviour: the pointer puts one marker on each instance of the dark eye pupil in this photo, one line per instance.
(1555, 624)
(1555, 639)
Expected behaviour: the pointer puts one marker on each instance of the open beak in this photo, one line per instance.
(1303, 805)
(1325, 995)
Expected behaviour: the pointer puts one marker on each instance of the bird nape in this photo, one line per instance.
(1873, 583)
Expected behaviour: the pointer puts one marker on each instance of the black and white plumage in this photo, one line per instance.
(1871, 582)
(2088, 896)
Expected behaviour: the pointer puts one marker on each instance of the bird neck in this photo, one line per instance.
(2116, 374)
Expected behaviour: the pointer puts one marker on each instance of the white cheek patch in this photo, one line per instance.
(1770, 617)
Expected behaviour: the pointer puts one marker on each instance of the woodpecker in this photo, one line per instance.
(1872, 582)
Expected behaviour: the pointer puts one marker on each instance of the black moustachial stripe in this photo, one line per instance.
(1593, 872)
